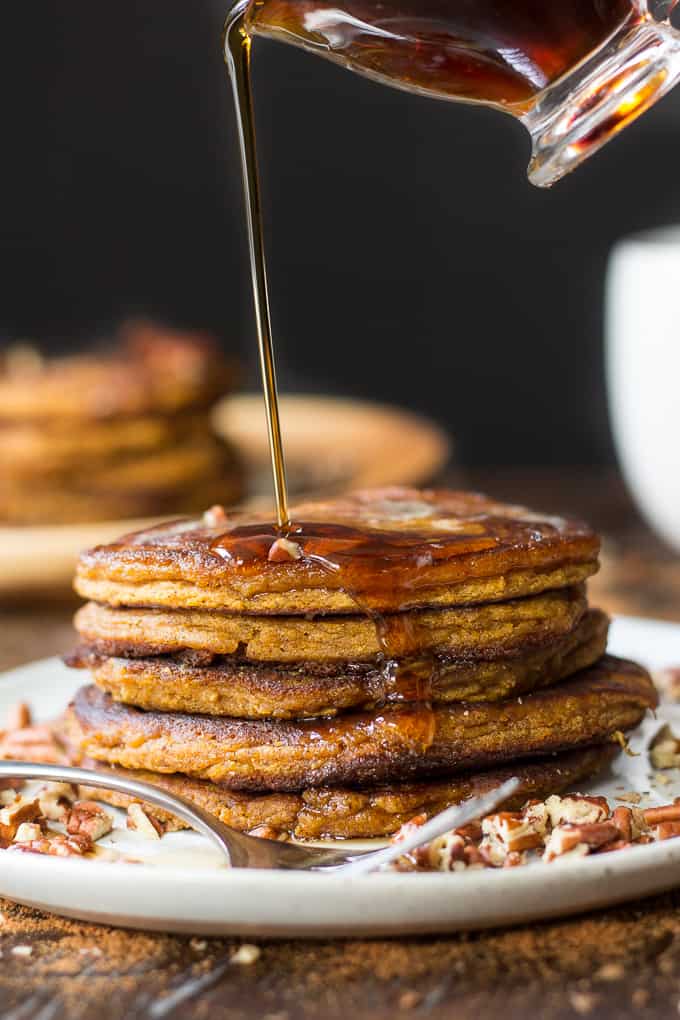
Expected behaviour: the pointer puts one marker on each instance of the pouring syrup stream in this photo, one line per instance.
(237, 54)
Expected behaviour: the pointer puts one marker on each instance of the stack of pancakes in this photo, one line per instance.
(120, 434)
(395, 653)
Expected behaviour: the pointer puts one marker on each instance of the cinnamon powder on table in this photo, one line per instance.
(608, 964)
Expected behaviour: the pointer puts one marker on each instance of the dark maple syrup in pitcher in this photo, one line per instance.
(503, 52)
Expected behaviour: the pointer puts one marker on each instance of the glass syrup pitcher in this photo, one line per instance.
(574, 72)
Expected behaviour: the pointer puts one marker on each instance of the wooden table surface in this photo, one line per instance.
(618, 963)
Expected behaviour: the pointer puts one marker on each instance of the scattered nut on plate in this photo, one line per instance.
(141, 821)
(664, 751)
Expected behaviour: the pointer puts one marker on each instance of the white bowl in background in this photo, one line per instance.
(643, 372)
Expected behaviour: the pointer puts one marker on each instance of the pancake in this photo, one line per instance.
(337, 813)
(478, 632)
(395, 744)
(29, 450)
(220, 686)
(388, 550)
(42, 504)
(153, 368)
(179, 464)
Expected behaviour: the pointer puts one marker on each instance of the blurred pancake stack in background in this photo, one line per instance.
(125, 433)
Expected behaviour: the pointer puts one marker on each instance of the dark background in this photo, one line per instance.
(410, 260)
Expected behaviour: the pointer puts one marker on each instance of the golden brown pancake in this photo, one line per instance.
(394, 744)
(221, 686)
(181, 464)
(58, 506)
(479, 632)
(342, 813)
(166, 469)
(88, 497)
(153, 368)
(29, 450)
(390, 550)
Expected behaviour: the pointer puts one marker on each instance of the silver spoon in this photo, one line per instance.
(243, 851)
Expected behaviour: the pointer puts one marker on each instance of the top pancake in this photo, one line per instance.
(151, 369)
(385, 550)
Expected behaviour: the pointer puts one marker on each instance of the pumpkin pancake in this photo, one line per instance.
(30, 451)
(343, 813)
(78, 502)
(216, 685)
(394, 744)
(153, 368)
(387, 550)
(479, 632)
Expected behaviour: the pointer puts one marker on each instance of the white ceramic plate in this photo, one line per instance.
(184, 890)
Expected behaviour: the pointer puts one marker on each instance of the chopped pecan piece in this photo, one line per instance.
(35, 743)
(141, 821)
(667, 830)
(630, 797)
(215, 516)
(28, 831)
(20, 810)
(427, 856)
(473, 830)
(453, 857)
(284, 551)
(639, 823)
(568, 837)
(410, 825)
(88, 819)
(18, 717)
(576, 809)
(514, 860)
(561, 847)
(269, 832)
(9, 784)
(623, 820)
(535, 813)
(475, 857)
(664, 750)
(618, 844)
(55, 800)
(667, 813)
(57, 846)
(509, 832)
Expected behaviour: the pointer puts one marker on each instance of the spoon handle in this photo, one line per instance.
(234, 846)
